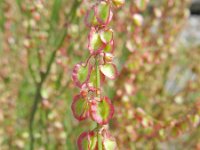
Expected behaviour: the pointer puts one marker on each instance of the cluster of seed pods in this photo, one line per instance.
(89, 76)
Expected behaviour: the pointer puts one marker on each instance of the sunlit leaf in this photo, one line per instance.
(90, 18)
(109, 144)
(93, 141)
(103, 13)
(101, 111)
(109, 70)
(95, 43)
(81, 74)
(80, 107)
(106, 35)
(109, 48)
(87, 140)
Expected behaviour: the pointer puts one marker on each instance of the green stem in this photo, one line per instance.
(99, 142)
(33, 111)
(98, 86)
(98, 78)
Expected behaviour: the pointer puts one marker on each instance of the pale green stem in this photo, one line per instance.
(98, 86)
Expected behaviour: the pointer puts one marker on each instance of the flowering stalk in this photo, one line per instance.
(89, 77)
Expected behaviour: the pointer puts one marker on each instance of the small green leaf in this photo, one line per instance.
(87, 140)
(80, 107)
(109, 70)
(106, 35)
(109, 144)
(102, 111)
(102, 12)
(90, 19)
(83, 142)
(81, 74)
(95, 42)
(109, 47)
(93, 142)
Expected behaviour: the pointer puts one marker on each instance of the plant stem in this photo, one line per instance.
(34, 109)
(38, 96)
(98, 86)
(98, 79)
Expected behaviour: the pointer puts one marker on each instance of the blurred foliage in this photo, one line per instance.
(156, 96)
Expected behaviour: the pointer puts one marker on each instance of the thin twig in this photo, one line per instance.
(43, 76)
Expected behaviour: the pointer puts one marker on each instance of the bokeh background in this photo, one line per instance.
(156, 96)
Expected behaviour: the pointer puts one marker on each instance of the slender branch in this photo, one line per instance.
(43, 76)
(38, 96)
(34, 109)
(31, 71)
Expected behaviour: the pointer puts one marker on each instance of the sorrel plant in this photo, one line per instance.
(89, 76)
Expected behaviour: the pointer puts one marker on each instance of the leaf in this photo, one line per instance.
(90, 18)
(100, 144)
(81, 74)
(95, 43)
(109, 144)
(80, 107)
(87, 140)
(103, 13)
(109, 48)
(91, 141)
(101, 111)
(109, 70)
(106, 36)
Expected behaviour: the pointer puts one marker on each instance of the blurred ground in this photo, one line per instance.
(190, 35)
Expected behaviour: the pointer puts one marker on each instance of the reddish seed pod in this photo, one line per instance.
(84, 93)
